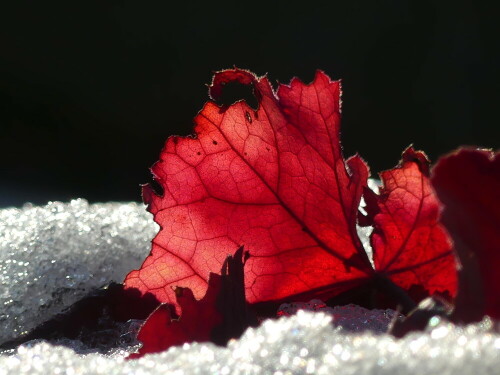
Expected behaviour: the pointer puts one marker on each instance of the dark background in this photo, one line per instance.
(89, 91)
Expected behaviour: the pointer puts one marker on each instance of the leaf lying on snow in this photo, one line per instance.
(162, 330)
(274, 180)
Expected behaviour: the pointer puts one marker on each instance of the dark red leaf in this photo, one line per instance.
(468, 184)
(409, 244)
(220, 315)
(231, 301)
(198, 319)
(274, 180)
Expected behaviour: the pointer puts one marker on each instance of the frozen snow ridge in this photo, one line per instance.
(52, 256)
(305, 343)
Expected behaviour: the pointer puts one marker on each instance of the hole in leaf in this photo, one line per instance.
(235, 91)
(156, 187)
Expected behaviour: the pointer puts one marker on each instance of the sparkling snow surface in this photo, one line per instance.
(51, 256)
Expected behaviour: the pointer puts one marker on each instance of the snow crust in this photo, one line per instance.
(305, 343)
(52, 256)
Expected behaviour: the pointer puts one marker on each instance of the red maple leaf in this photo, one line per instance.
(274, 180)
(468, 184)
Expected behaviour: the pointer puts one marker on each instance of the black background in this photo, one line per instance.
(89, 91)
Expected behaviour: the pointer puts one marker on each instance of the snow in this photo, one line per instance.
(52, 256)
(305, 343)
